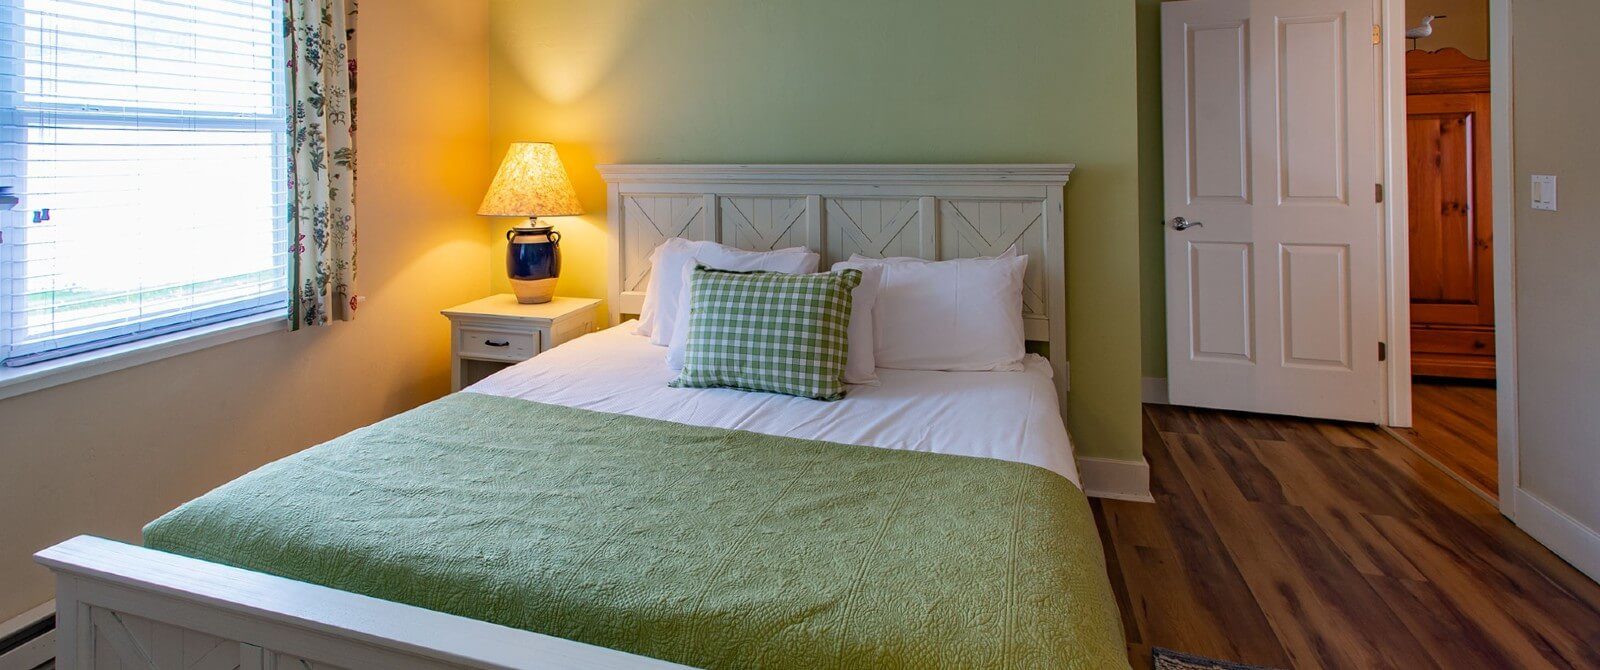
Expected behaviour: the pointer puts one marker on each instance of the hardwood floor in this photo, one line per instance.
(1308, 544)
(1455, 425)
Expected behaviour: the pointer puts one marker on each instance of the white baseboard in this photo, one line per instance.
(1115, 479)
(32, 653)
(1569, 538)
(1154, 390)
(28, 618)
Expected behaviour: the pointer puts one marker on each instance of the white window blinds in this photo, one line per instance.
(146, 142)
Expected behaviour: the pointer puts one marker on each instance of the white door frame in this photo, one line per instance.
(1505, 256)
(1396, 371)
(1397, 237)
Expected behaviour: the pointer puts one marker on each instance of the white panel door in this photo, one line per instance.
(1273, 226)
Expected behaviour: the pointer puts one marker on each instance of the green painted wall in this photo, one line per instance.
(1152, 260)
(876, 81)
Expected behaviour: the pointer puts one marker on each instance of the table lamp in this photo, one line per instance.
(532, 183)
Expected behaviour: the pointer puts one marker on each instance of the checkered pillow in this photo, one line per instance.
(767, 331)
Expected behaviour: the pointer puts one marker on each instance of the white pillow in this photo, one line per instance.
(963, 314)
(861, 364)
(646, 323)
(667, 296)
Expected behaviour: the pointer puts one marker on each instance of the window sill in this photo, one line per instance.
(17, 381)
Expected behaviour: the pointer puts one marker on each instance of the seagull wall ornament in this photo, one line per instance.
(1423, 31)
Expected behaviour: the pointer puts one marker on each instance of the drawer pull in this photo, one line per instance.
(498, 343)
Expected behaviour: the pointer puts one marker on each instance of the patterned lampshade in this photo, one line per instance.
(531, 182)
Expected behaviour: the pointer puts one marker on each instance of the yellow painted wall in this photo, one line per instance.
(107, 454)
(870, 81)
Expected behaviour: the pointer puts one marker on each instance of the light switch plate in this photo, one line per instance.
(1544, 192)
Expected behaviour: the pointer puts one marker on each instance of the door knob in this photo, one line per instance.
(1181, 224)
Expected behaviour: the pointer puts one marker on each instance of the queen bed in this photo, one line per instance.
(576, 511)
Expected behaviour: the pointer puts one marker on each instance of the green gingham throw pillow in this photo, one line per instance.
(768, 331)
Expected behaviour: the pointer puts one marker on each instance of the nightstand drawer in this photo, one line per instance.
(477, 342)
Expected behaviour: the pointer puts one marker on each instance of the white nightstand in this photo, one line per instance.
(491, 334)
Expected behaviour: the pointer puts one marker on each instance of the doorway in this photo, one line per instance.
(1235, 314)
(1274, 282)
(1449, 159)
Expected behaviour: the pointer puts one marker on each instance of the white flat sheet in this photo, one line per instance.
(1011, 416)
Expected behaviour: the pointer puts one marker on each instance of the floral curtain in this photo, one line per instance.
(320, 38)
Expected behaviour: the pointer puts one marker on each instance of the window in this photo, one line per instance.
(145, 140)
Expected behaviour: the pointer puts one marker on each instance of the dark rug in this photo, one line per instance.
(1167, 659)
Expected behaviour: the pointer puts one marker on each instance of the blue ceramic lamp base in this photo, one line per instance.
(533, 261)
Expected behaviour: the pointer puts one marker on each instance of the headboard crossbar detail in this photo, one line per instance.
(937, 212)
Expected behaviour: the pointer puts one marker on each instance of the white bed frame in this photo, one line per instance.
(937, 212)
(120, 606)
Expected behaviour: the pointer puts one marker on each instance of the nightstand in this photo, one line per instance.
(494, 333)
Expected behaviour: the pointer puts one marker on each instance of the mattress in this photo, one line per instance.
(1009, 416)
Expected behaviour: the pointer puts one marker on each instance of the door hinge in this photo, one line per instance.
(1377, 34)
(1377, 190)
(1383, 351)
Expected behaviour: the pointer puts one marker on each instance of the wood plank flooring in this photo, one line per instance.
(1309, 544)
(1455, 425)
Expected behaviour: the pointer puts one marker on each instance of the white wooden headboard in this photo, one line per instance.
(936, 212)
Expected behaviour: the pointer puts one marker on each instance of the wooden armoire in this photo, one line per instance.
(1452, 271)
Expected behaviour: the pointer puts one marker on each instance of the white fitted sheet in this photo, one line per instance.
(1010, 416)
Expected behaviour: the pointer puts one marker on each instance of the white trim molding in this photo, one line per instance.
(17, 381)
(28, 618)
(1503, 140)
(1115, 479)
(1569, 538)
(1395, 391)
(1153, 390)
(35, 652)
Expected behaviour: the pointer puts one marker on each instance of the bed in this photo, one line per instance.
(574, 511)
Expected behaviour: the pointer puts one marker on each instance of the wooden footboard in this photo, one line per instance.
(121, 606)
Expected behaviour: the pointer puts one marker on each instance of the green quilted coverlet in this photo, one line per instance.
(703, 546)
